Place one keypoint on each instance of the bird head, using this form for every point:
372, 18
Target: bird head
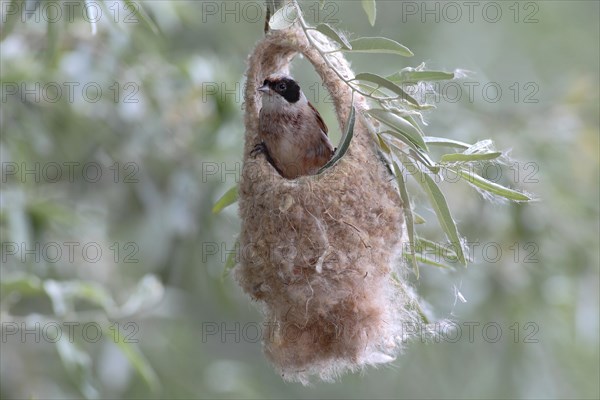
281, 87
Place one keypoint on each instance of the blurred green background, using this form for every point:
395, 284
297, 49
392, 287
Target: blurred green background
116, 145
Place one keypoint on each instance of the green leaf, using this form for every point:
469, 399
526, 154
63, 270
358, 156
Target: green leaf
334, 35
138, 360
370, 9
401, 126
284, 17
78, 365
20, 284
425, 260
408, 217
491, 187
371, 89
462, 157
413, 76
438, 141
379, 45
63, 295
439, 250
383, 145
424, 159
413, 150
384, 83
438, 201
345, 142
232, 260
410, 118
230, 197
10, 18
148, 292
419, 220
393, 137
139, 11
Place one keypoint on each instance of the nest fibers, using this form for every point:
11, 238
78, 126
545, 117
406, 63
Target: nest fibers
318, 252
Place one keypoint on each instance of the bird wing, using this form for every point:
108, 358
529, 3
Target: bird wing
319, 119
328, 147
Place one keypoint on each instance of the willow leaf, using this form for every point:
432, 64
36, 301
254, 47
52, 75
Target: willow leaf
408, 217
421, 156
19, 283
419, 220
490, 186
139, 362
138, 10
283, 18
401, 126
232, 259
439, 250
405, 76
10, 18
462, 157
371, 10
334, 35
438, 141
379, 45
387, 84
425, 260
230, 197
439, 203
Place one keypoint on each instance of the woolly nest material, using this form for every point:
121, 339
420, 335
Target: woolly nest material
318, 252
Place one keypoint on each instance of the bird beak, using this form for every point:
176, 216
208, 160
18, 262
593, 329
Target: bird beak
264, 89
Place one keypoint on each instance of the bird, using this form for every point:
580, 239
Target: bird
292, 133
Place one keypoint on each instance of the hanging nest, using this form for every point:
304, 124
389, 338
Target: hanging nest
319, 252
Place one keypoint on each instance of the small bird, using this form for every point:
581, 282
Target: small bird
292, 133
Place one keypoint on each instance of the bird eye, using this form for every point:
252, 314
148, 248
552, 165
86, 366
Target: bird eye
282, 87
266, 82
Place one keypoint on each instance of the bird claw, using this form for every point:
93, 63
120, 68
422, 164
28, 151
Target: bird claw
260, 148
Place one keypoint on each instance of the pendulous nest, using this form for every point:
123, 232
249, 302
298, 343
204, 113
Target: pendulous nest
318, 252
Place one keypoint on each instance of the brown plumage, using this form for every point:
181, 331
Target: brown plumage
292, 133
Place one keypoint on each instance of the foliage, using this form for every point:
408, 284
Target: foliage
400, 137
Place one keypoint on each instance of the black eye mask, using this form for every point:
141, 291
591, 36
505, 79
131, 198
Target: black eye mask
290, 90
